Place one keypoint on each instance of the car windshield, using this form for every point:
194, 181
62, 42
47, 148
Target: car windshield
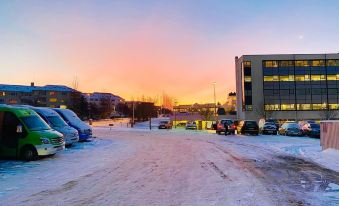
293, 125
163, 122
251, 124
229, 122
316, 126
71, 116
35, 123
56, 121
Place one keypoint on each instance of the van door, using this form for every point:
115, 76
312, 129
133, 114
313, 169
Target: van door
10, 136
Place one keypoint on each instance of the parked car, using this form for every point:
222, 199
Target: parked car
25, 135
53, 119
269, 128
221, 126
248, 127
84, 130
290, 129
275, 121
191, 125
181, 124
311, 130
165, 124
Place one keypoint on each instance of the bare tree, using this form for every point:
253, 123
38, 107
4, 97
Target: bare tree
328, 114
206, 113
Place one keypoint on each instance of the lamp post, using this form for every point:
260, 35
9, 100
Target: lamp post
215, 101
175, 117
132, 125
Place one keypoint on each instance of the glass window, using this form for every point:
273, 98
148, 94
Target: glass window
247, 63
287, 107
301, 63
304, 106
299, 77
270, 63
332, 77
35, 123
248, 107
318, 63
318, 106
270, 107
53, 100
333, 106
315, 77
247, 78
268, 78
286, 63
332, 63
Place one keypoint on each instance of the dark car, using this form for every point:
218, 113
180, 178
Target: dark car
269, 128
290, 129
221, 126
165, 125
191, 126
275, 121
248, 127
311, 130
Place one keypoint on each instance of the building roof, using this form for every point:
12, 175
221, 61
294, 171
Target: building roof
23, 88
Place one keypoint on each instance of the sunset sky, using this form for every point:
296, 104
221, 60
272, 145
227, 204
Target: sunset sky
145, 47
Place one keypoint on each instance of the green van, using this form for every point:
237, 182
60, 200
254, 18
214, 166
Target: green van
24, 135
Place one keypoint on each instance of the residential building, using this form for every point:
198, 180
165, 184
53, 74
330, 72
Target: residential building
108, 100
287, 86
47, 96
231, 102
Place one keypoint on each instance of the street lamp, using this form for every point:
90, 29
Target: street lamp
175, 117
215, 101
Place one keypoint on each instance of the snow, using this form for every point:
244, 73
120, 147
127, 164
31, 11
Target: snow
138, 166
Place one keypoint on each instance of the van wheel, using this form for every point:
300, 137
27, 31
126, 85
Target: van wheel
29, 153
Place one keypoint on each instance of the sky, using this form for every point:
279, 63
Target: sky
136, 48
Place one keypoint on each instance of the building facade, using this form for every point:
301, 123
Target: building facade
46, 96
287, 86
104, 99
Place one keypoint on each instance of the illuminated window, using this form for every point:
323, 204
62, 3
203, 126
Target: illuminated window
247, 78
301, 63
13, 101
53, 100
287, 78
268, 78
287, 107
275, 78
271, 107
299, 77
318, 63
316, 77
271, 63
318, 106
2, 94
286, 63
52, 93
332, 63
332, 77
304, 106
248, 107
52, 106
333, 106
247, 63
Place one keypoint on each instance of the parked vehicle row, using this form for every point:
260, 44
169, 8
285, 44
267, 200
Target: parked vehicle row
28, 132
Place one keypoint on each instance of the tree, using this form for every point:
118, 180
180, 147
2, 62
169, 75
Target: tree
105, 107
206, 113
328, 114
221, 111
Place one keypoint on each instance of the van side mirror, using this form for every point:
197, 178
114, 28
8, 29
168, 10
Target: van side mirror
19, 129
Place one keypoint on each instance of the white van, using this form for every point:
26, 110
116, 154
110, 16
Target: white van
85, 131
54, 120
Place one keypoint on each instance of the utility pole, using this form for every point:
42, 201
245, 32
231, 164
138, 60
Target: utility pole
215, 101
132, 114
175, 117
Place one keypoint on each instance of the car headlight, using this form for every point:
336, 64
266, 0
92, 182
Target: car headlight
44, 140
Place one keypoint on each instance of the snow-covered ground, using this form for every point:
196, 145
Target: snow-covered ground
136, 166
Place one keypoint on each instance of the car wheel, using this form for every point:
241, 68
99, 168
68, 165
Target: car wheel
29, 153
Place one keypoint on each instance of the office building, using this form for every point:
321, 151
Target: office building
287, 86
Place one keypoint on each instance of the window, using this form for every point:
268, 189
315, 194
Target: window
270, 63
271, 107
332, 77
287, 78
304, 106
247, 63
287, 107
247, 78
319, 106
52, 93
300, 63
2, 94
268, 78
286, 63
53, 100
248, 107
332, 63
333, 106
318, 63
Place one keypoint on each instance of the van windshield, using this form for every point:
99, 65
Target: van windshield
35, 123
71, 116
56, 121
